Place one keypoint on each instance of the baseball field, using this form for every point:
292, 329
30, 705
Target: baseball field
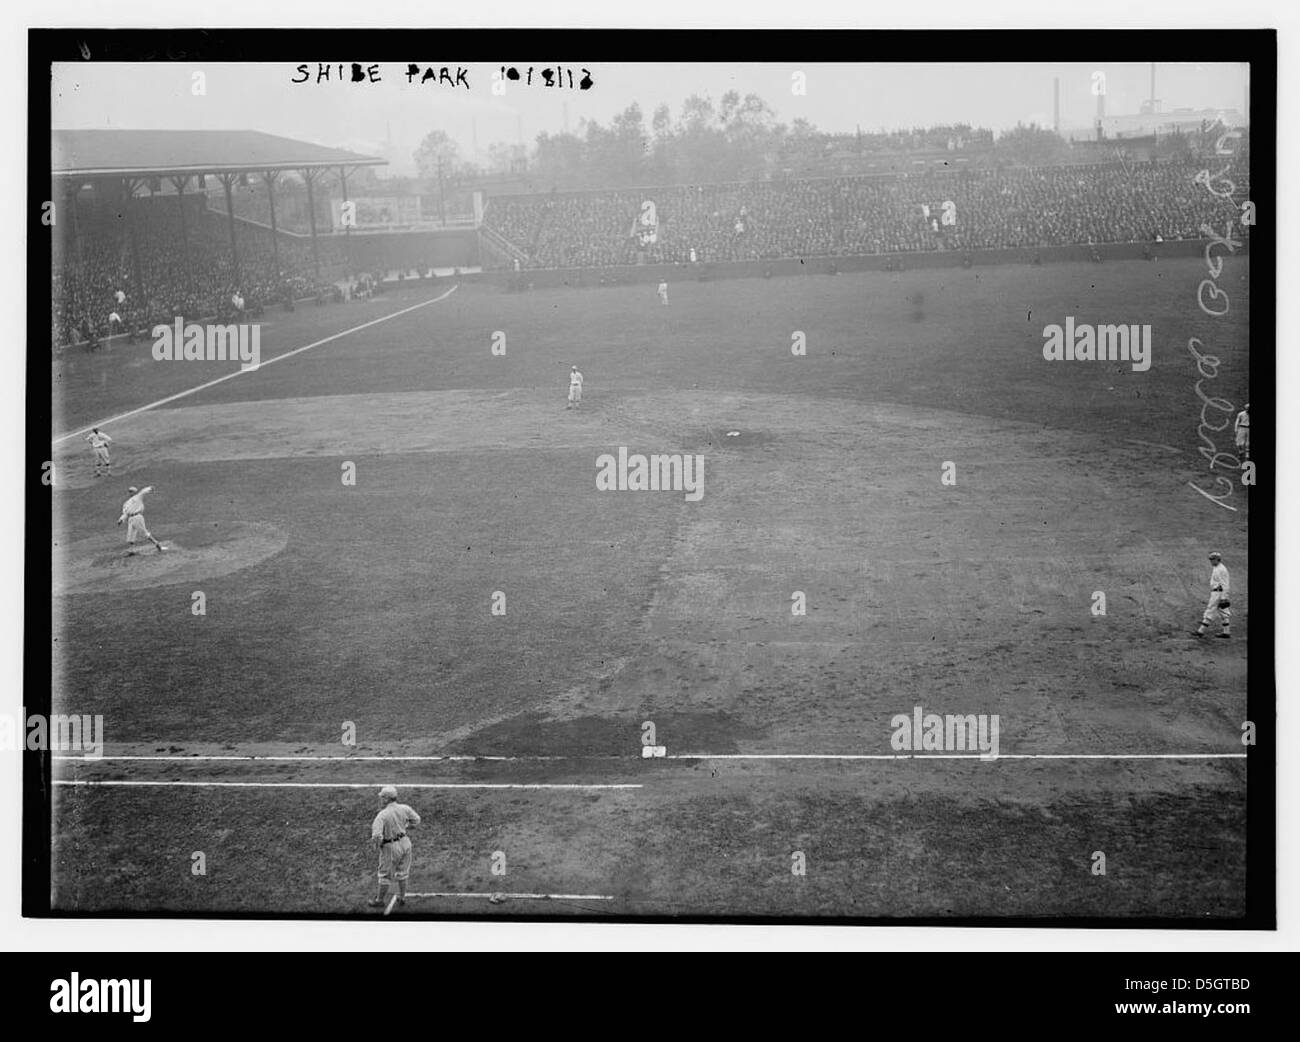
388, 561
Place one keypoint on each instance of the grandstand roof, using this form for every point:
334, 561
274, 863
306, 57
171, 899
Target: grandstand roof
89, 153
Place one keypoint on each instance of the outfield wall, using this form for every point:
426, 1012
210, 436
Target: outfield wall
547, 277
443, 248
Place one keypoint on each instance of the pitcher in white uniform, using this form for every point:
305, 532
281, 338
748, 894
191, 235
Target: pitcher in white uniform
575, 388
133, 515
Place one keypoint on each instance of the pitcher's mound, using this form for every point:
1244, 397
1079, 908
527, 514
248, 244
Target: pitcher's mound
194, 551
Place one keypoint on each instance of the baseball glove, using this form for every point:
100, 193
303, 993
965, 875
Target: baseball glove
1224, 602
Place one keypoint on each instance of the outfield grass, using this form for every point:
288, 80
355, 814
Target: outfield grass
370, 604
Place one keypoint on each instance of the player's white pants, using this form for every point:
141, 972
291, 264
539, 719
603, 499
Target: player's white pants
575, 392
135, 528
395, 860
1213, 605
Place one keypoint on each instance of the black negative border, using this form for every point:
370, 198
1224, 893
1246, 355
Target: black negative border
1258, 47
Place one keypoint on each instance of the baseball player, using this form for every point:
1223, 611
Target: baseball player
1219, 597
388, 834
575, 388
1241, 431
99, 441
89, 333
133, 515
663, 293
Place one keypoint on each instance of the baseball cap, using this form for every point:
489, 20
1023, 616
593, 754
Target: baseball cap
389, 791
133, 489
1215, 554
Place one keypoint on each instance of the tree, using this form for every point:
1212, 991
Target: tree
700, 148
1031, 145
631, 146
697, 113
751, 131
560, 159
500, 157
728, 106
437, 146
363, 179
801, 129
661, 152
661, 123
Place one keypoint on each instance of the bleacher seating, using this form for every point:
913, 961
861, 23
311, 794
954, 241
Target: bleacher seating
828, 217
189, 275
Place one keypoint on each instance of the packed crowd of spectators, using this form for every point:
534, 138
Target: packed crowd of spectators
943, 210
187, 273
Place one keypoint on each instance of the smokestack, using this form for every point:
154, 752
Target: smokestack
1056, 104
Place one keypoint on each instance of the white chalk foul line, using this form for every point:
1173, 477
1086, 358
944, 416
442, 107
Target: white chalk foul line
331, 785
675, 756
240, 372
342, 759
522, 897
958, 756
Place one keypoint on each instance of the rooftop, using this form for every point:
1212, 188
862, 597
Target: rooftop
89, 153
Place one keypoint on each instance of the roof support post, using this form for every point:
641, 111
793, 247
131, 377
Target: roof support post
179, 184
309, 175
270, 176
129, 185
347, 226
226, 181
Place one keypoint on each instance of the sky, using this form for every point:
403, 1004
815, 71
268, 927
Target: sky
391, 117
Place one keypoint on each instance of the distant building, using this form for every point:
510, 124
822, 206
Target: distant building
1154, 124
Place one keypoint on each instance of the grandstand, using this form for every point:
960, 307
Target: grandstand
138, 222
934, 210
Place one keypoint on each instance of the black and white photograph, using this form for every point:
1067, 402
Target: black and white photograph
651, 477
